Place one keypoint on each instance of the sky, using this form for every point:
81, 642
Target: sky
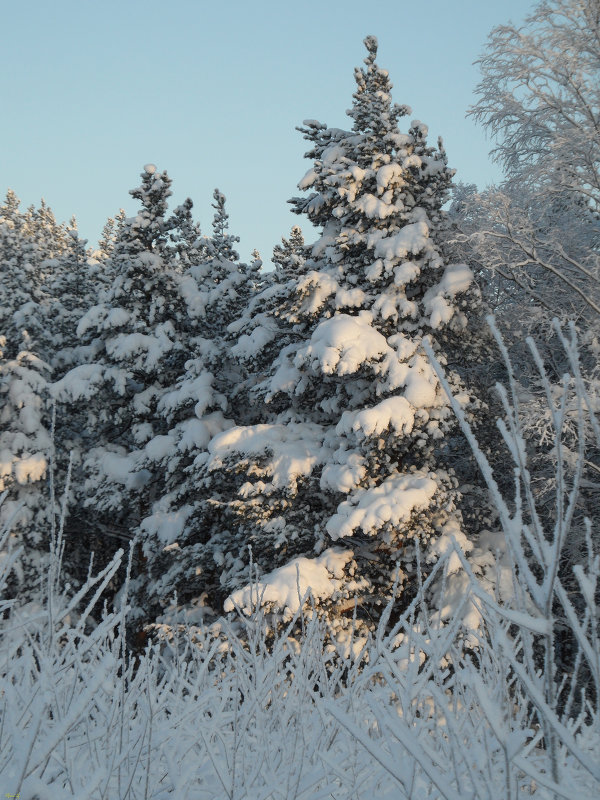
212, 92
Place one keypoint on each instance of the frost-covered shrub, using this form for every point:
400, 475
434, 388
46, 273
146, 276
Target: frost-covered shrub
549, 630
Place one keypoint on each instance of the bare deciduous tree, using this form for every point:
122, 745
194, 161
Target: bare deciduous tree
539, 98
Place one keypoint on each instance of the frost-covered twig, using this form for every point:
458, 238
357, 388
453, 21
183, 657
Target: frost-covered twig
536, 550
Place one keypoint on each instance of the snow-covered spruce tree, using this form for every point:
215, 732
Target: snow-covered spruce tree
50, 237
110, 233
135, 351
219, 284
26, 348
223, 242
186, 242
26, 451
217, 288
19, 283
47, 282
348, 467
28, 242
289, 257
267, 326
75, 281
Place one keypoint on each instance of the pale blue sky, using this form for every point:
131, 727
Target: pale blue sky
92, 90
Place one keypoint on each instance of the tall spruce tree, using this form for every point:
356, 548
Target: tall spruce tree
345, 469
20, 284
135, 351
217, 288
28, 341
26, 454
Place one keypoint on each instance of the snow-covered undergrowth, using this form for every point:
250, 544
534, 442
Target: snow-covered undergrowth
428, 708
423, 717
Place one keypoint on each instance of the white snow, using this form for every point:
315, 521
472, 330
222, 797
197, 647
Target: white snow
249, 345
167, 526
195, 434
316, 287
308, 180
456, 279
412, 160
403, 345
451, 537
195, 299
392, 502
400, 140
116, 318
286, 587
91, 319
412, 239
374, 207
29, 414
79, 383
142, 432
119, 467
150, 348
406, 272
420, 384
198, 389
6, 465
394, 412
286, 376
350, 298
375, 271
294, 449
333, 153
160, 447
389, 174
31, 468
345, 473
342, 344
417, 125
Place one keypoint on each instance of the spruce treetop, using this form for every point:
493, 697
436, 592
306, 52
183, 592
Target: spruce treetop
289, 257
222, 241
373, 111
377, 195
148, 229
